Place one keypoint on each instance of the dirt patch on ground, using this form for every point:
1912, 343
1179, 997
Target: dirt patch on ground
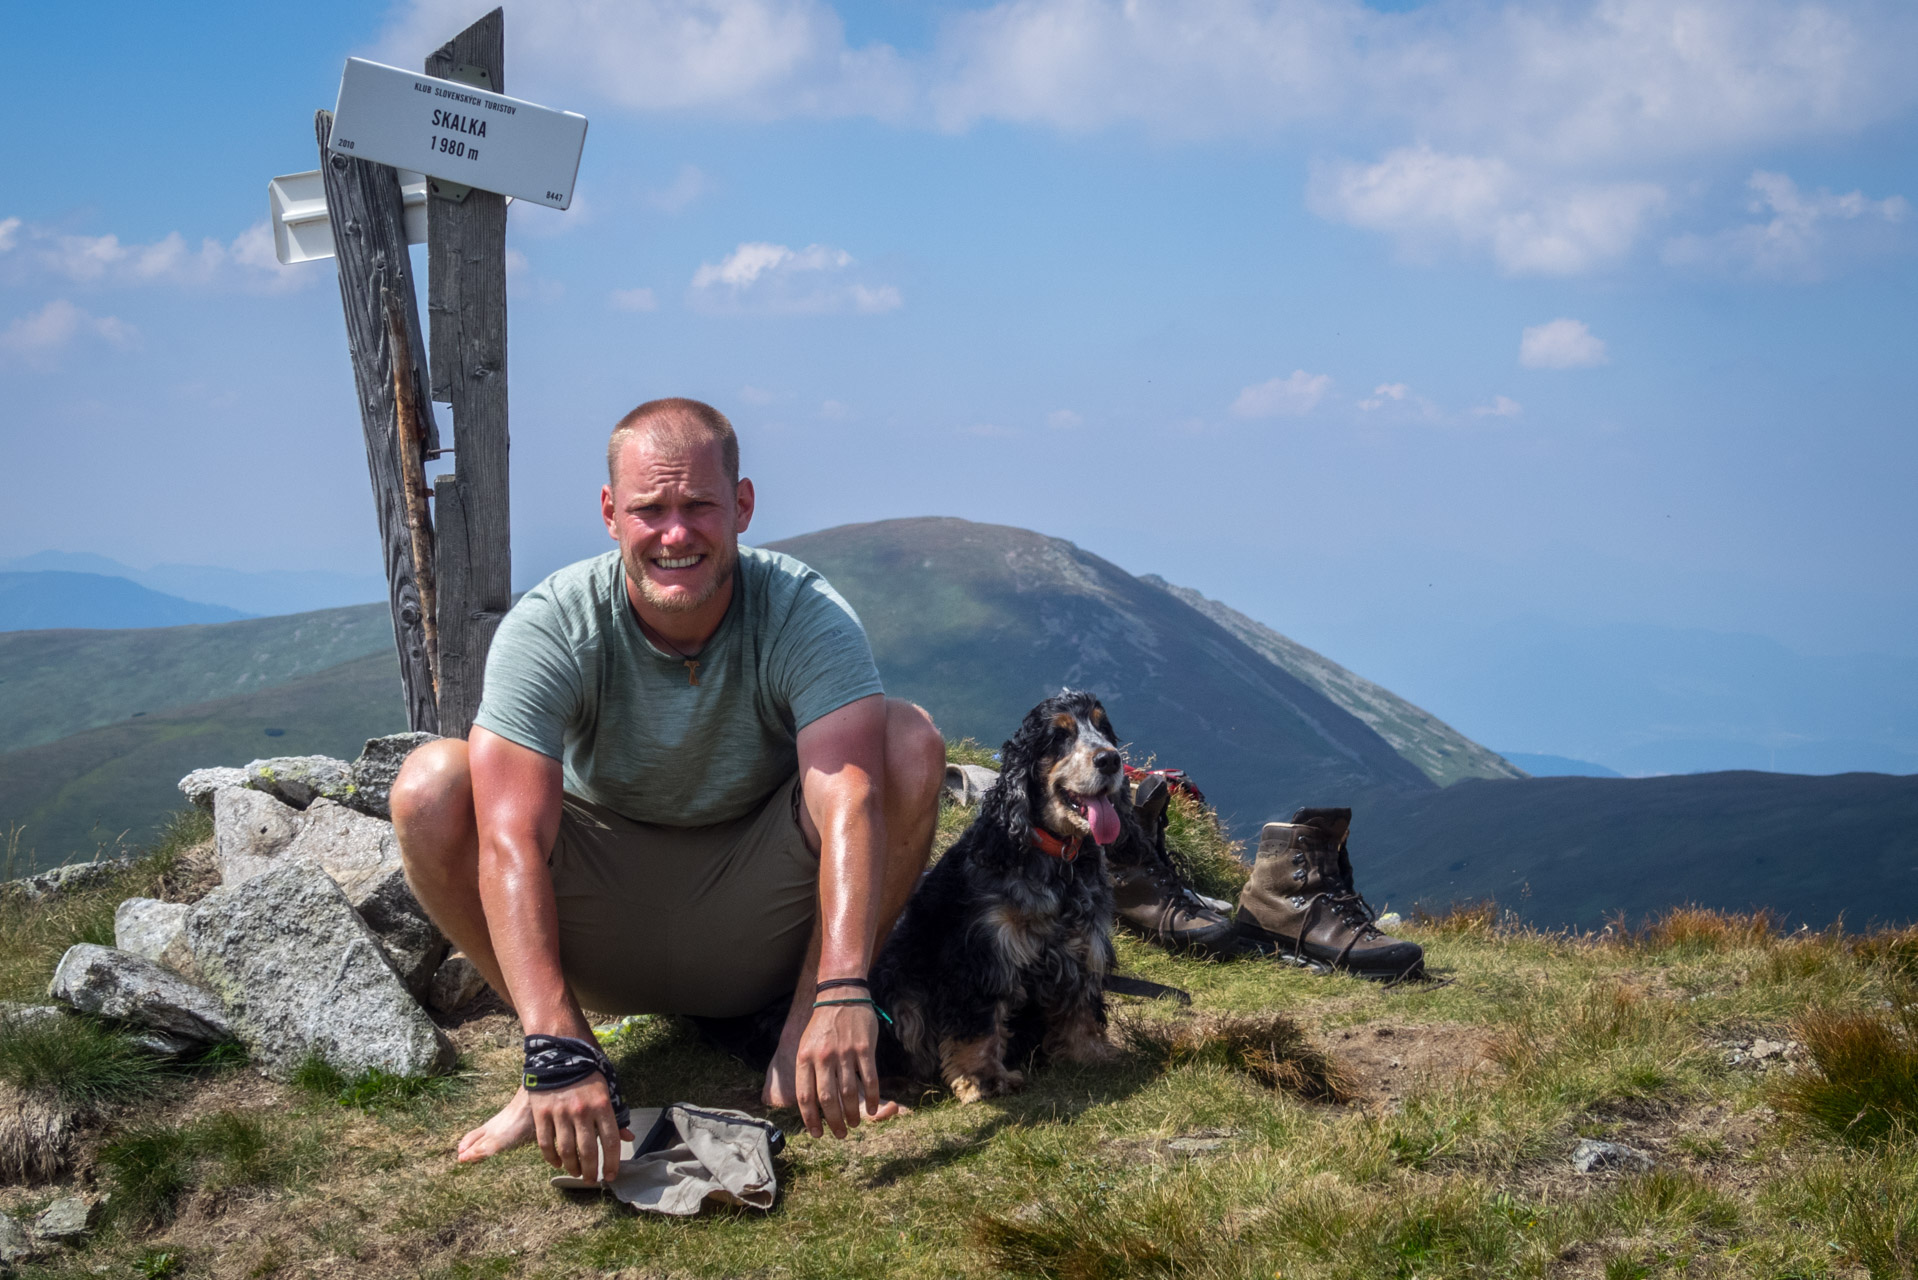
1383, 1061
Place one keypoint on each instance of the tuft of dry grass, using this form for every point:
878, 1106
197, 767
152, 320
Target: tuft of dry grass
1269, 1047
1204, 853
1862, 1083
1460, 920
971, 751
1693, 929
36, 1136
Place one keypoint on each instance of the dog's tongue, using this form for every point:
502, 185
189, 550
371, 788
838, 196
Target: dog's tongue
1103, 818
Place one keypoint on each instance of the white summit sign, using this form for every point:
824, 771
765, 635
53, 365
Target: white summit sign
457, 133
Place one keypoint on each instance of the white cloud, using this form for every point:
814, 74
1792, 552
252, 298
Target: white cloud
1383, 392
1545, 136
1560, 344
1064, 420
632, 300
1798, 238
1292, 397
1501, 407
1429, 201
1588, 79
38, 337
753, 58
772, 279
246, 262
687, 186
756, 395
834, 410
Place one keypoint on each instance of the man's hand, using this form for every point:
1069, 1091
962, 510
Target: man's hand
838, 1070
577, 1131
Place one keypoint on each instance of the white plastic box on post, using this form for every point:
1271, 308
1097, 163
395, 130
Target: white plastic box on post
300, 229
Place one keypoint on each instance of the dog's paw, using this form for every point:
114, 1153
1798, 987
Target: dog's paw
975, 1088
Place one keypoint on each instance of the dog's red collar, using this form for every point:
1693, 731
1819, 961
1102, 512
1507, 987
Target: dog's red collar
1052, 846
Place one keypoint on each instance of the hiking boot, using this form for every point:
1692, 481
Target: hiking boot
1301, 903
1149, 895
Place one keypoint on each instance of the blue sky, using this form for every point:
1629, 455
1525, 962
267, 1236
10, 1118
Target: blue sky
1381, 324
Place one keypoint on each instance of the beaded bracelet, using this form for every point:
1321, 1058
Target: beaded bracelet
866, 1000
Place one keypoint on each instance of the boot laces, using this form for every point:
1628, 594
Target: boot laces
1352, 908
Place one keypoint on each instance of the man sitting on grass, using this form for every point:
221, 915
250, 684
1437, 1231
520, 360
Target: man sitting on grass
684, 792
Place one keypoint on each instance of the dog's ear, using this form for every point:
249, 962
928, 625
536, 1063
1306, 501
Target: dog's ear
1011, 797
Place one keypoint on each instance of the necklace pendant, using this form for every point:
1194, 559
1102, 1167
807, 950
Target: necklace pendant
692, 672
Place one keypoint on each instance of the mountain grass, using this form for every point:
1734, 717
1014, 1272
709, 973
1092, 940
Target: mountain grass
1309, 1127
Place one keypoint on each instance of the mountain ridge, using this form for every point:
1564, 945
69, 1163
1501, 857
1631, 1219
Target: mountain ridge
1441, 752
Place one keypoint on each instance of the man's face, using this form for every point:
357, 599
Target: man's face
677, 520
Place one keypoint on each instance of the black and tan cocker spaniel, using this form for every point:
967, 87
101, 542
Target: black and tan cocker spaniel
1009, 936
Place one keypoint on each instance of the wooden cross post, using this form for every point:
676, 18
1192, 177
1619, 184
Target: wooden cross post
449, 586
382, 330
466, 304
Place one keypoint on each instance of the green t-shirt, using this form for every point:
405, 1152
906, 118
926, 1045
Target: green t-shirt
571, 676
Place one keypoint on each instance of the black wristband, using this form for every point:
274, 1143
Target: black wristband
559, 1062
830, 983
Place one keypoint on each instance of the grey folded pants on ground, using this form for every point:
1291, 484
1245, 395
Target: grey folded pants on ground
686, 1155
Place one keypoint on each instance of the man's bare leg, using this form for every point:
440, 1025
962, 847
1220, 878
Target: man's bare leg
432, 806
915, 769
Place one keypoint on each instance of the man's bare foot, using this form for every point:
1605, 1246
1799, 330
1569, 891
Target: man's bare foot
512, 1127
781, 1089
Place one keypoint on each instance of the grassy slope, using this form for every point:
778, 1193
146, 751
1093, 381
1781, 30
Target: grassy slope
1450, 1160
55, 683
1573, 851
977, 622
74, 795
1442, 752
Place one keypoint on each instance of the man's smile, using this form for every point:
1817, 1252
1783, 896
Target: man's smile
677, 562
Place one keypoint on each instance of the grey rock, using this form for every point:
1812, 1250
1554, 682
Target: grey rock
14, 1244
413, 944
60, 880
1594, 1156
300, 780
66, 1219
1195, 1146
300, 973
967, 784
200, 785
119, 984
25, 1016
164, 1044
455, 984
378, 765
250, 831
342, 840
156, 931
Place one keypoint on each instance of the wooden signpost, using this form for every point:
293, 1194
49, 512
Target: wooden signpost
449, 570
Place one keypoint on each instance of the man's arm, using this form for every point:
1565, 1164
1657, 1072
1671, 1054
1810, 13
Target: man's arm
842, 767
516, 801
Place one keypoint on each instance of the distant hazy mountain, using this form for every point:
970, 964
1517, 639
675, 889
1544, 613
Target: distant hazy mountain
1646, 700
1442, 752
72, 796
55, 683
264, 593
42, 601
1559, 766
1577, 851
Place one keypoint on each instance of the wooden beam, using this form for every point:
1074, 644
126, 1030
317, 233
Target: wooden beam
466, 306
369, 239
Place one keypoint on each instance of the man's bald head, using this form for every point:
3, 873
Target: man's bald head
676, 423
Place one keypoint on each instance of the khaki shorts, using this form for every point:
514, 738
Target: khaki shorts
711, 921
